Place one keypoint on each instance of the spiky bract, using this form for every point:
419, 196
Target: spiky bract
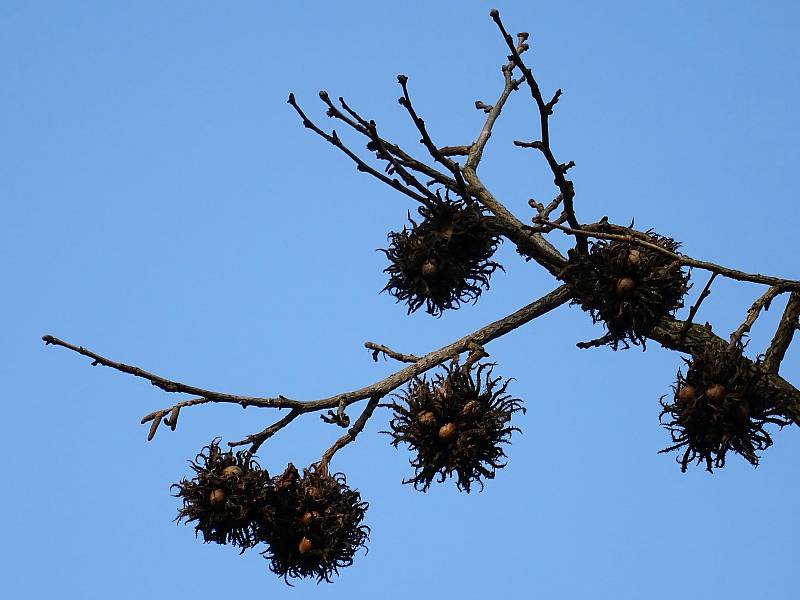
444, 260
223, 497
312, 524
627, 286
456, 424
716, 407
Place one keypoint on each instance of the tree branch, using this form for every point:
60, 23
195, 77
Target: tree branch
381, 388
565, 186
783, 335
641, 238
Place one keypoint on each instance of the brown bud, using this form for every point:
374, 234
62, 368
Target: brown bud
426, 418
305, 545
716, 393
429, 268
217, 497
625, 286
309, 517
231, 471
634, 257
448, 431
688, 393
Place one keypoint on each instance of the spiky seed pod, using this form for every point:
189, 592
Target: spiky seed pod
716, 408
471, 414
312, 524
444, 260
223, 496
628, 287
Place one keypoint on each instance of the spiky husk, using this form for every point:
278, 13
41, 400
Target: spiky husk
629, 296
444, 260
318, 511
456, 424
716, 408
229, 518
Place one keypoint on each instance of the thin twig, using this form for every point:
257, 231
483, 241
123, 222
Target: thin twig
378, 349
693, 310
333, 138
259, 438
753, 313
426, 140
351, 434
558, 169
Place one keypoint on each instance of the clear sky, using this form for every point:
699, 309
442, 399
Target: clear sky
163, 205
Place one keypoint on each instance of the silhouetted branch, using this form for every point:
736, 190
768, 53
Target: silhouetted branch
789, 323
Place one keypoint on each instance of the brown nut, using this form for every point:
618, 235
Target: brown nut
429, 268
231, 471
217, 497
716, 392
625, 287
448, 431
309, 517
687, 393
634, 257
426, 418
305, 545
470, 407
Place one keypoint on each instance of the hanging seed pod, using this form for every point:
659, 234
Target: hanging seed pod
444, 260
223, 497
473, 414
312, 524
716, 408
627, 287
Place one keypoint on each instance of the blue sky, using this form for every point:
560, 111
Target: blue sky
163, 205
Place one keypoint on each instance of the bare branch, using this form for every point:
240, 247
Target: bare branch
433, 359
426, 140
783, 335
753, 313
558, 169
378, 349
259, 438
641, 239
351, 434
693, 310
361, 125
333, 138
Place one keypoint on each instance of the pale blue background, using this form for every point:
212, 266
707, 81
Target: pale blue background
162, 205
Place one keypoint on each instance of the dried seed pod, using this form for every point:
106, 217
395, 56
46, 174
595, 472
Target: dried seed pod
727, 416
444, 260
223, 506
627, 287
312, 524
476, 413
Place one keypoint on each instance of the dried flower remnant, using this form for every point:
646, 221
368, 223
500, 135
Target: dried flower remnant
456, 424
628, 287
223, 497
716, 408
445, 259
312, 524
